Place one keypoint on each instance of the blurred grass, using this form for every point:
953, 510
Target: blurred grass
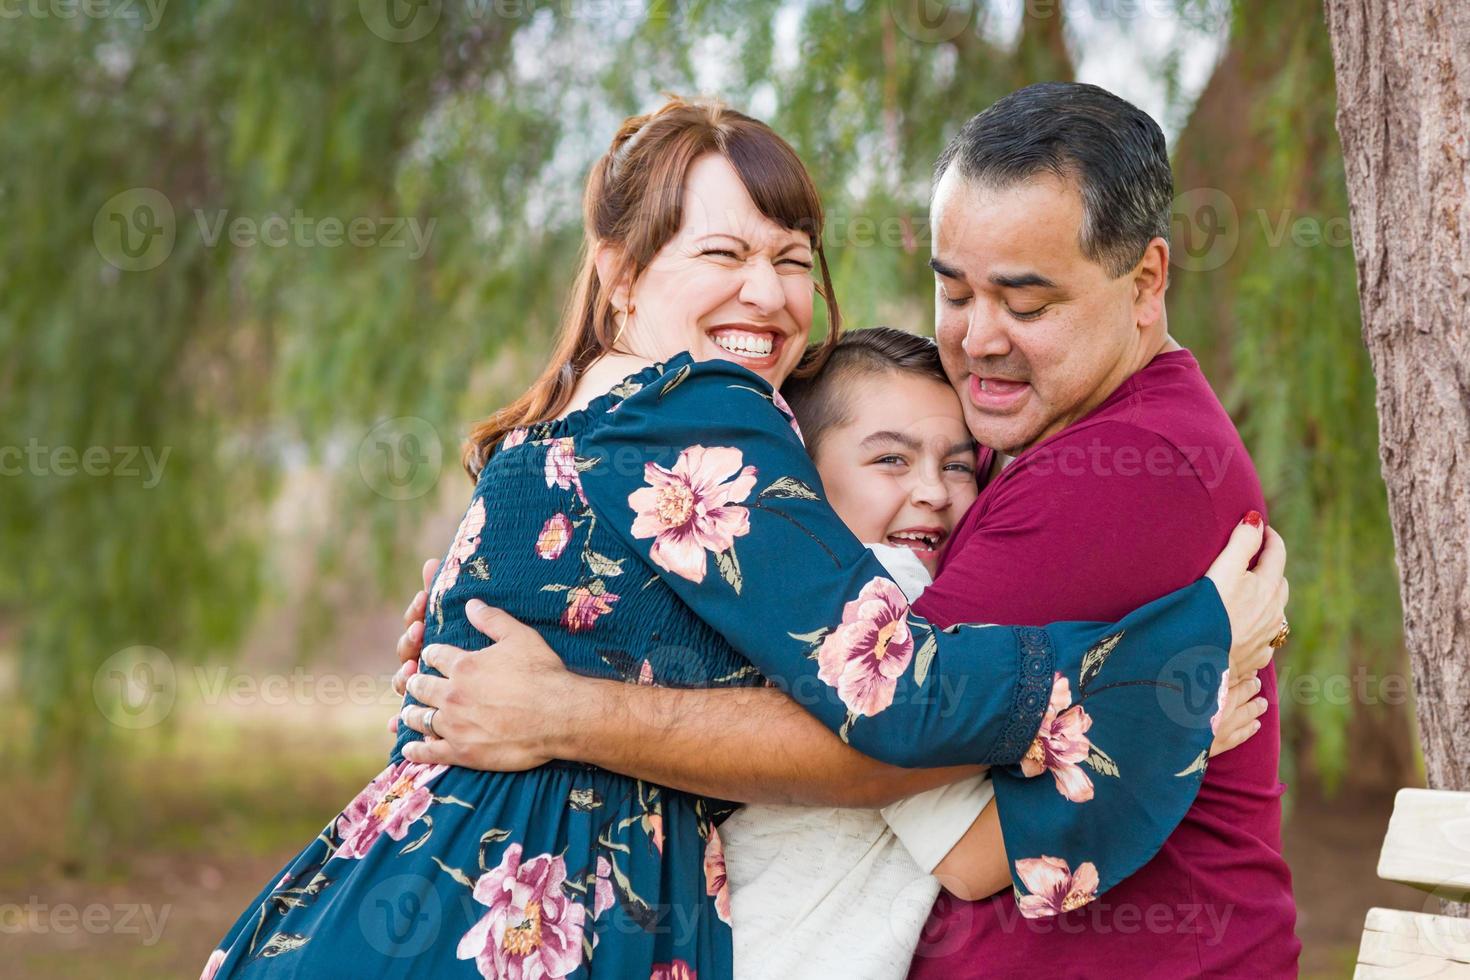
195, 820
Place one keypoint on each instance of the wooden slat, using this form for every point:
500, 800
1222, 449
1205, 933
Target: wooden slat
1401, 945
1428, 843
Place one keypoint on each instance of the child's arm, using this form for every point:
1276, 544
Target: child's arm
976, 867
953, 832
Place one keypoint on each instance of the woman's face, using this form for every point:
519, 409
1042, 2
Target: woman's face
731, 283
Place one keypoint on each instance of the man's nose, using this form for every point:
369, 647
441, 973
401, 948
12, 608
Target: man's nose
985, 334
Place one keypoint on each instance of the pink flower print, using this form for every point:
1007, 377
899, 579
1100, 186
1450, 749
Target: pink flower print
466, 540
602, 892
689, 509
790, 415
584, 607
561, 466
390, 804
1054, 887
532, 930
554, 537
677, 970
864, 656
716, 882
514, 438
1061, 744
645, 674
212, 965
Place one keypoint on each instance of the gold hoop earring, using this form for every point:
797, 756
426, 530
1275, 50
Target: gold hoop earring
622, 318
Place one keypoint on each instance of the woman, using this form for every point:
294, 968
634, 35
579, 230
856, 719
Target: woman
648, 507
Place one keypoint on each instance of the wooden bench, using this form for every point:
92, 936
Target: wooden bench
1427, 846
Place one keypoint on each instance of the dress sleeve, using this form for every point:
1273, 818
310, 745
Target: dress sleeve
702, 475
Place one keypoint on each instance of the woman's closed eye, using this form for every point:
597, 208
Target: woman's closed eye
725, 253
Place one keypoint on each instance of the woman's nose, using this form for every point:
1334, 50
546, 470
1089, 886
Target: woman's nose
762, 286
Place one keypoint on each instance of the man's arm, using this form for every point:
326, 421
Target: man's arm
747, 744
753, 745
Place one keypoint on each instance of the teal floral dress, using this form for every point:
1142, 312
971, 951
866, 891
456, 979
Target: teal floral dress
674, 533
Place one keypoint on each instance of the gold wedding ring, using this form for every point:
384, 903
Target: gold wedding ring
1279, 640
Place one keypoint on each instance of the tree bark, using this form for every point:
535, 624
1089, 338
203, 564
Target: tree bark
1403, 115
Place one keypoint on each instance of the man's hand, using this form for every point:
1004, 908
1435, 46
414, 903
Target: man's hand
495, 708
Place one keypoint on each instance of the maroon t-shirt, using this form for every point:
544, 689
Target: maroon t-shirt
1129, 503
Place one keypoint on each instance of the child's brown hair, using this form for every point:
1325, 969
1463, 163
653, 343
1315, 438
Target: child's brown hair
820, 401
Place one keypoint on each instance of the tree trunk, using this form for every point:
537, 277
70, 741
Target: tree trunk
1403, 114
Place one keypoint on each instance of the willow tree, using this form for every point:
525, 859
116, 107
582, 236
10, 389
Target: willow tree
475, 123
1403, 82
1262, 291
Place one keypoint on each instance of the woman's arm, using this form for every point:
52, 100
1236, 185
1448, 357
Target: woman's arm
976, 866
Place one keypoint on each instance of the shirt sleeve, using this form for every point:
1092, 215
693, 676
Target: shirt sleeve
931, 823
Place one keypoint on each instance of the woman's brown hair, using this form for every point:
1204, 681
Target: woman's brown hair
634, 200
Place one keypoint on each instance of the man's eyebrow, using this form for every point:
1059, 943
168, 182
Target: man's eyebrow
886, 435
944, 269
1023, 280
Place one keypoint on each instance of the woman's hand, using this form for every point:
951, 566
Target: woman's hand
495, 708
1255, 600
412, 640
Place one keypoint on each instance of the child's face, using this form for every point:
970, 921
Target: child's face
902, 471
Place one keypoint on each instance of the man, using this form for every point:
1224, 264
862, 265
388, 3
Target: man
1050, 217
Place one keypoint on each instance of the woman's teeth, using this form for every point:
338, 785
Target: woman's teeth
748, 345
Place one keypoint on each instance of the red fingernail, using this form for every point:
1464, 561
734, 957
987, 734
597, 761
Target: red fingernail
1253, 518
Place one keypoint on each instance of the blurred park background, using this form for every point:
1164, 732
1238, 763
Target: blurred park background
265, 261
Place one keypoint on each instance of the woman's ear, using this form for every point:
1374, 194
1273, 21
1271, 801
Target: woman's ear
608, 261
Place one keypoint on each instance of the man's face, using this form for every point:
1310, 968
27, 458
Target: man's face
1032, 333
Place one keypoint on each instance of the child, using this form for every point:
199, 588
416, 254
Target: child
830, 892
